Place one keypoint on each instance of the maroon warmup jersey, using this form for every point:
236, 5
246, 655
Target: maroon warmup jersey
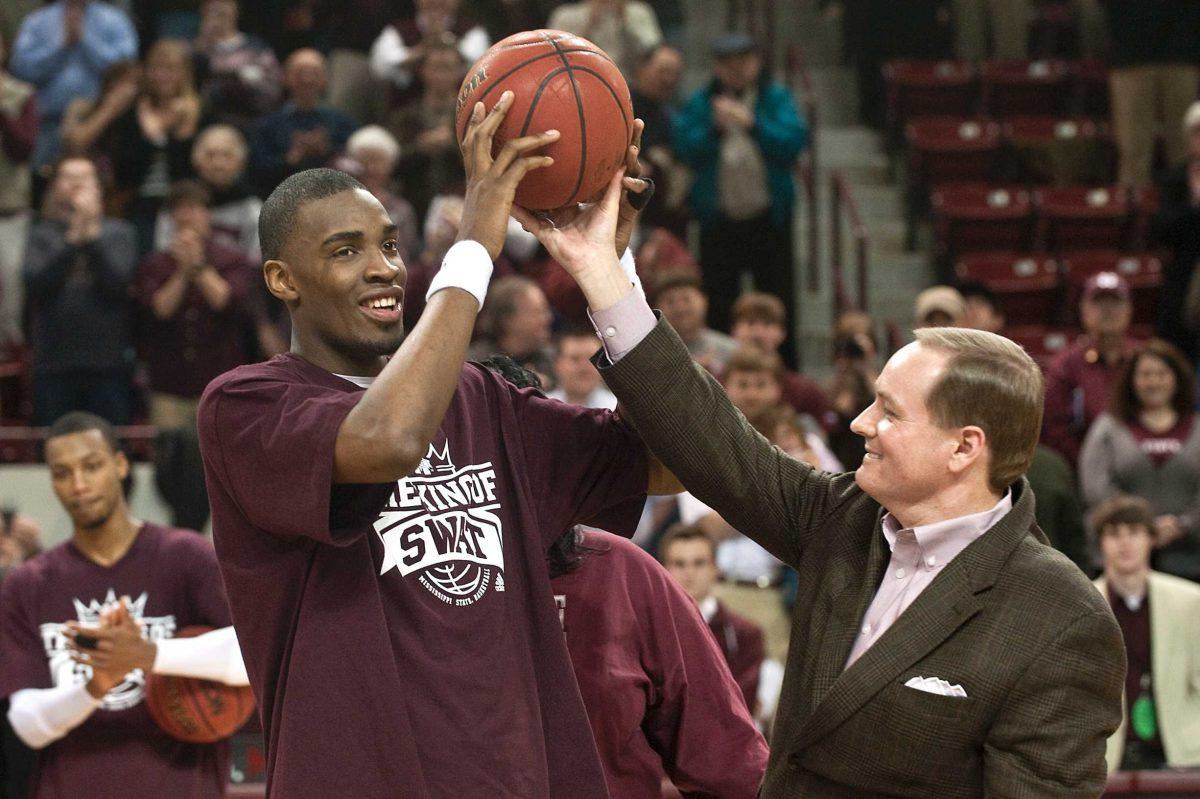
172, 579
402, 639
658, 692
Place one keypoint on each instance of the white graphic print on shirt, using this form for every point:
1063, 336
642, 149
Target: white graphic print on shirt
440, 524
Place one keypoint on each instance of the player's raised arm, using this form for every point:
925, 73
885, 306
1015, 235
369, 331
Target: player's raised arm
385, 436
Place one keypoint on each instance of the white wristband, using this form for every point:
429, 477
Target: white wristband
630, 270
467, 266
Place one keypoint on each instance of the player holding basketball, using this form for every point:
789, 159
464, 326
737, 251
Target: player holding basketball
382, 512
76, 688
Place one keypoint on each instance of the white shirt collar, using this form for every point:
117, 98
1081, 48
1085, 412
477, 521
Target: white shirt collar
708, 608
361, 382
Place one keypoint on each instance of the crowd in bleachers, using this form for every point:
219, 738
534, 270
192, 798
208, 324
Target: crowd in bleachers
139, 138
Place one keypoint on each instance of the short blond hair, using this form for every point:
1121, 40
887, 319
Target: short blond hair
993, 384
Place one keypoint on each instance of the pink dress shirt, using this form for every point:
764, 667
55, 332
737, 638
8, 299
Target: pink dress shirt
918, 554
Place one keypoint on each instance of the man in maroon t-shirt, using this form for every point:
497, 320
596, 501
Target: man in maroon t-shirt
382, 512
82, 623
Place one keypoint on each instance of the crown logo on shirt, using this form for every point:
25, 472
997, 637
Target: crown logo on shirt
90, 613
436, 462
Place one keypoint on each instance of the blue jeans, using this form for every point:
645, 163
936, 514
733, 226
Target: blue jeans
107, 394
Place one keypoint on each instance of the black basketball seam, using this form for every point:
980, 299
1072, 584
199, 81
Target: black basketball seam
616, 99
537, 95
529, 61
200, 711
582, 116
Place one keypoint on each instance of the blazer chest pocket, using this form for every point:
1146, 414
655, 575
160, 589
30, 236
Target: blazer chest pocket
915, 703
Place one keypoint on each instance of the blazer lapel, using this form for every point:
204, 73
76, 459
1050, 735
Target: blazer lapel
853, 588
945, 605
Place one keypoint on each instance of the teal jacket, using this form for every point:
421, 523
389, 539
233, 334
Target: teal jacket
779, 129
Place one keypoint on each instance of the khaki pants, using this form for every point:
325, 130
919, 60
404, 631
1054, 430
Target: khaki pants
13, 230
168, 412
1146, 100
764, 607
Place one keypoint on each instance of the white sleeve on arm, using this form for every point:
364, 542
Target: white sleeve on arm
40, 716
212, 656
623, 326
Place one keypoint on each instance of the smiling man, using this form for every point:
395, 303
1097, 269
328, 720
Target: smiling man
939, 646
382, 512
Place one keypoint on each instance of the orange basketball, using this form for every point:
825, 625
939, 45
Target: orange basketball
197, 711
559, 82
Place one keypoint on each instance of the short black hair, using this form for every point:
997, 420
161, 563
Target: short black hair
82, 422
278, 213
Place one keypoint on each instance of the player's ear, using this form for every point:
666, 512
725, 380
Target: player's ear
280, 281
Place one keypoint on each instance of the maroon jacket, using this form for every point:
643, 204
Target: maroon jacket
659, 697
741, 642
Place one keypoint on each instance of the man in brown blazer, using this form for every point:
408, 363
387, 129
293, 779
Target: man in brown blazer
940, 648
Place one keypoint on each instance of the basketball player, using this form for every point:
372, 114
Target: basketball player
126, 586
382, 512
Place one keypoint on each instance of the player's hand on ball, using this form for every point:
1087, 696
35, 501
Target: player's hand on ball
638, 190
492, 183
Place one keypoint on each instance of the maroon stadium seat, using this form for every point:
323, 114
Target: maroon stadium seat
978, 217
953, 150
1061, 150
1022, 88
1084, 217
1143, 271
1028, 287
1042, 342
924, 88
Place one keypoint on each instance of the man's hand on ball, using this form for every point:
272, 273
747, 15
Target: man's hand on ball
581, 237
492, 183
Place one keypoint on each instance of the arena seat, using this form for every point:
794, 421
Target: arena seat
977, 217
1028, 287
1042, 342
1143, 271
924, 88
953, 150
1060, 150
1022, 88
1083, 217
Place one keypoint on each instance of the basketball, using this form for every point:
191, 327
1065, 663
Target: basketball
197, 711
559, 82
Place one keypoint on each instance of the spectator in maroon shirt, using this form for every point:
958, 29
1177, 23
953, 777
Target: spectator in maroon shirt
759, 321
691, 558
240, 78
1079, 380
192, 298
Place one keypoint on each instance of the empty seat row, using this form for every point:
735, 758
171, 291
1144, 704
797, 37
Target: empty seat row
1000, 88
977, 217
1038, 289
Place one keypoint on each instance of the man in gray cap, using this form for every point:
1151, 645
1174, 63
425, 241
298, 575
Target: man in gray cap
1080, 378
740, 135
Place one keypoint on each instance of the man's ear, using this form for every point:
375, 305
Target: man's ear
280, 282
971, 448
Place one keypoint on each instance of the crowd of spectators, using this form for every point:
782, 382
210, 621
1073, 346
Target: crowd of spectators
136, 148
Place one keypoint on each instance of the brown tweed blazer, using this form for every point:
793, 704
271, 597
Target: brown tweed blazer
1015, 623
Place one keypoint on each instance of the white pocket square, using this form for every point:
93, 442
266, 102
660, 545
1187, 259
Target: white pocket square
936, 685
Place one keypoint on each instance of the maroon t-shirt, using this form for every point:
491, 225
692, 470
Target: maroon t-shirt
1161, 447
658, 692
172, 578
402, 639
